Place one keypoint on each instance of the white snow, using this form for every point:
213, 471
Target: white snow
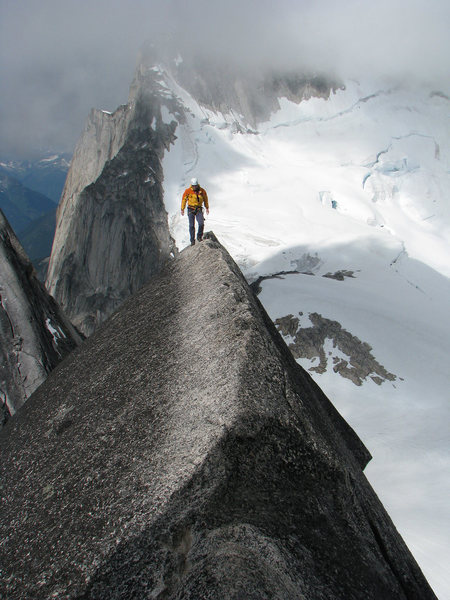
166, 115
358, 182
49, 158
57, 334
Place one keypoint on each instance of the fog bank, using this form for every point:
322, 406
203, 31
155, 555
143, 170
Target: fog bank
59, 58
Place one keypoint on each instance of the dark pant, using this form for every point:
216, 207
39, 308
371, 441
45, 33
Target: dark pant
193, 214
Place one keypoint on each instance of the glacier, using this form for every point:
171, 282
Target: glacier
359, 182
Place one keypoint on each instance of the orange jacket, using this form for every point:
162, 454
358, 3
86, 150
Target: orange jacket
194, 198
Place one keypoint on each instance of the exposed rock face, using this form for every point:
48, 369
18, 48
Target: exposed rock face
249, 92
112, 232
252, 96
182, 453
352, 358
34, 333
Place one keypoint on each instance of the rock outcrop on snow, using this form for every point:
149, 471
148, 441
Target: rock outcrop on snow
34, 333
181, 452
325, 340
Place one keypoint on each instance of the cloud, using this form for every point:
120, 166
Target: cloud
59, 58
401, 39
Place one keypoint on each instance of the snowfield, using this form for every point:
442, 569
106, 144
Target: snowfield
359, 182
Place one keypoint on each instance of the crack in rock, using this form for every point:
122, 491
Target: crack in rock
327, 340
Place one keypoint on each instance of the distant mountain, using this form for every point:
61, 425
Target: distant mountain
29, 192
46, 175
37, 237
20, 204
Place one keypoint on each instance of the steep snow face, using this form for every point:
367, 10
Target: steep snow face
359, 184
380, 159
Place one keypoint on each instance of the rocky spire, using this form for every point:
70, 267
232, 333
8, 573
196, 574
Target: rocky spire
34, 333
181, 453
112, 233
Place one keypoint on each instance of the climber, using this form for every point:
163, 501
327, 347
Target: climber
195, 196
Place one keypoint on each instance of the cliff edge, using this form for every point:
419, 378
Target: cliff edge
112, 233
35, 334
183, 454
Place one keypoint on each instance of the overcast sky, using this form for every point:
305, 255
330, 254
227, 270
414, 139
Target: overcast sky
60, 58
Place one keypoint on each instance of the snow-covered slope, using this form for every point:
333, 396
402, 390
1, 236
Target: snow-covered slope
356, 185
